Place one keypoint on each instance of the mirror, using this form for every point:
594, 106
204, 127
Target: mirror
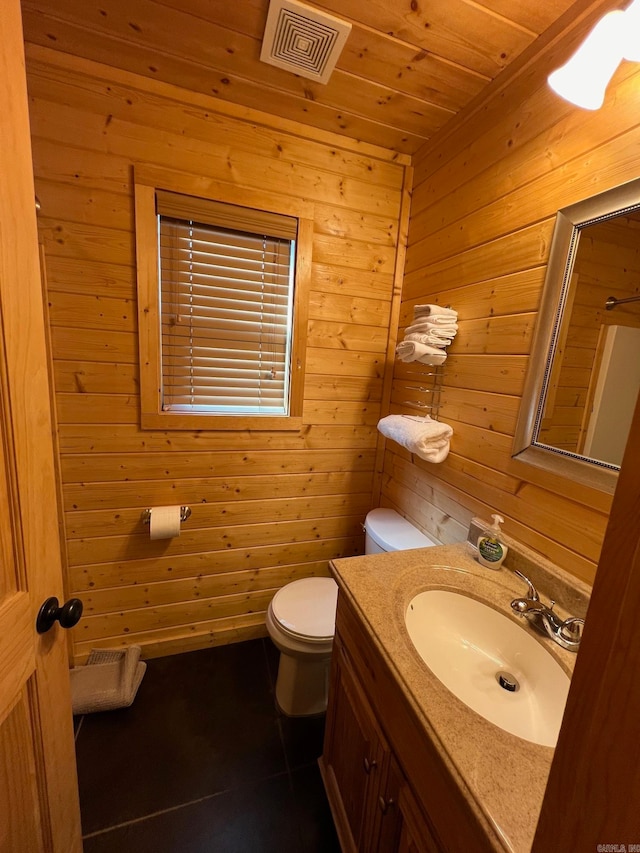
584, 375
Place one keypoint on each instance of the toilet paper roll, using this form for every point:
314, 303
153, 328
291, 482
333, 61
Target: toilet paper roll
165, 522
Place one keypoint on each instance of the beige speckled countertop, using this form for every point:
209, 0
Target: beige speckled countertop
503, 777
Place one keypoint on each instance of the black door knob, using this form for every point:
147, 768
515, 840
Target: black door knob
68, 615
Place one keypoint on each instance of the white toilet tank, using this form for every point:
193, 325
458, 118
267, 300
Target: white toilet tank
385, 530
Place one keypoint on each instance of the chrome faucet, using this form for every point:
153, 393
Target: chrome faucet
567, 633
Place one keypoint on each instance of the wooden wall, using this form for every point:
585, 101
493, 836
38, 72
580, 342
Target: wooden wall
268, 507
484, 201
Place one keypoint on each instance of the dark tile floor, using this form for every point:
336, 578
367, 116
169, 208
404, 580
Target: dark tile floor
202, 762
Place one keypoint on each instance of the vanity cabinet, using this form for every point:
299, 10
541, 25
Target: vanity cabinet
371, 801
387, 787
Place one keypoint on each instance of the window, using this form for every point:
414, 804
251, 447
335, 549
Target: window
220, 308
226, 305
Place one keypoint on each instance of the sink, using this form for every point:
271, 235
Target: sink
490, 663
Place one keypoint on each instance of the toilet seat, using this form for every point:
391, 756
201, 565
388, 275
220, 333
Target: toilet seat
306, 609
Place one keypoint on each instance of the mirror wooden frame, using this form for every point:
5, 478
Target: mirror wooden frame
570, 220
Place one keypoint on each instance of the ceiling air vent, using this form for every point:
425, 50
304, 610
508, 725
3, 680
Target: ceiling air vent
303, 40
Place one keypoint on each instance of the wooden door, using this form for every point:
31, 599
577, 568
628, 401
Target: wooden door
593, 794
38, 788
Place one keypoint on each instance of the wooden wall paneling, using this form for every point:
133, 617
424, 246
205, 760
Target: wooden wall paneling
525, 250
220, 514
335, 307
501, 374
70, 239
400, 261
332, 279
96, 377
108, 600
86, 495
513, 293
267, 507
527, 76
327, 412
192, 611
109, 346
97, 408
255, 119
126, 138
203, 42
126, 573
343, 388
353, 343
557, 129
529, 201
232, 462
64, 163
90, 87
184, 638
401, 76
91, 278
92, 312
469, 485
106, 438
484, 200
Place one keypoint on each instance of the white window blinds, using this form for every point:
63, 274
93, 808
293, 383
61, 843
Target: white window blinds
226, 303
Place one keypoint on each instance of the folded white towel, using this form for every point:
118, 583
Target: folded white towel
417, 351
427, 326
425, 437
433, 338
441, 341
434, 311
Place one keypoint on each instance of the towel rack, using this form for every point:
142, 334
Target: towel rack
432, 403
434, 388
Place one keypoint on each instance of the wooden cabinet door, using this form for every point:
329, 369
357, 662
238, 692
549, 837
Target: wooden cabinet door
38, 789
354, 756
415, 833
389, 817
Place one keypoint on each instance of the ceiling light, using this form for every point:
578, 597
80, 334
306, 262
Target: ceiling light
585, 77
632, 32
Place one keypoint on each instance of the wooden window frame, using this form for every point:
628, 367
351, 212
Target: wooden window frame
146, 182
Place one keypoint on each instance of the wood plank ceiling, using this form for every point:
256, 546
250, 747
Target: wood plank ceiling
408, 66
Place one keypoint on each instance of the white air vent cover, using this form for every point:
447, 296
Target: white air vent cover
303, 40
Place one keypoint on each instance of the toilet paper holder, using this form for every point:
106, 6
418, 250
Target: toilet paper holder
185, 512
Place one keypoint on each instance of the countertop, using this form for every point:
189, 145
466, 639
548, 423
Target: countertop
502, 776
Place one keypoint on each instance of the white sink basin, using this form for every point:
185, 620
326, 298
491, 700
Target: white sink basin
467, 644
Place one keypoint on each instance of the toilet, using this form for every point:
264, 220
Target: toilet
301, 619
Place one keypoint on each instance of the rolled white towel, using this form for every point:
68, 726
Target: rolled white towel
434, 311
425, 437
436, 452
417, 351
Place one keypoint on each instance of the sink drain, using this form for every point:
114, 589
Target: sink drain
507, 681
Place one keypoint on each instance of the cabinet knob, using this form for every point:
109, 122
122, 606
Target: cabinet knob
384, 804
369, 765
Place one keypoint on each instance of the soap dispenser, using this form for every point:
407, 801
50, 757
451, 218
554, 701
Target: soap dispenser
491, 549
